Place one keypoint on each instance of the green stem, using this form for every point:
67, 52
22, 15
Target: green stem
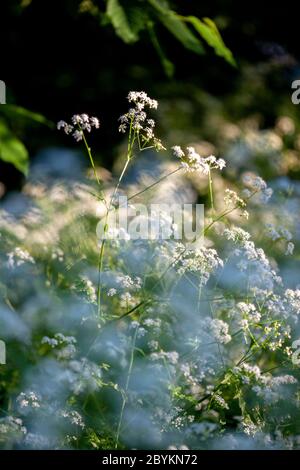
101, 254
91, 157
126, 387
211, 196
154, 184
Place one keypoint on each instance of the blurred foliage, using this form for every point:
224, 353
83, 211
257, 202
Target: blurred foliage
12, 150
85, 66
130, 19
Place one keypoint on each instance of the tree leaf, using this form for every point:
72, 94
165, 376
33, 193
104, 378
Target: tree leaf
138, 18
177, 27
210, 33
12, 149
119, 20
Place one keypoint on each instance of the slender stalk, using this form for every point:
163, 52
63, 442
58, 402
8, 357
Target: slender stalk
90, 156
131, 140
211, 195
102, 247
124, 401
154, 184
227, 212
147, 188
199, 295
100, 268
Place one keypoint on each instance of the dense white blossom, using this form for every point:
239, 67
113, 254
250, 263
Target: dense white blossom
80, 123
19, 256
137, 121
192, 161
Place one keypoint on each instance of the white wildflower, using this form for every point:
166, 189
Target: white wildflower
232, 198
218, 329
78, 135
89, 289
28, 400
290, 248
80, 123
177, 151
236, 234
221, 402
18, 257
112, 292
136, 120
258, 185
73, 417
191, 161
202, 260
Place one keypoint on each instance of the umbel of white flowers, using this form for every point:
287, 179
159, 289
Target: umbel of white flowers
192, 161
80, 123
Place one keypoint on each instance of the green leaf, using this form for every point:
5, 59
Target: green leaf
12, 150
210, 33
17, 112
138, 18
175, 24
119, 20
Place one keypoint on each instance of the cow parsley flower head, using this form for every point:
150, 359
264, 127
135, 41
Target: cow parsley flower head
73, 417
203, 261
65, 126
111, 292
80, 123
236, 234
28, 399
218, 329
141, 100
177, 151
258, 185
78, 135
137, 121
231, 198
248, 312
191, 161
220, 402
289, 248
19, 256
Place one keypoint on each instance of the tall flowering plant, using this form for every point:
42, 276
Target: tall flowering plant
148, 342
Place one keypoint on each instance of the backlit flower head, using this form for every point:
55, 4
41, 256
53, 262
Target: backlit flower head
80, 123
136, 120
191, 161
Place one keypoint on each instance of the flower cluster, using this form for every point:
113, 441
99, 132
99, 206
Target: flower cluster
271, 389
86, 286
137, 122
28, 400
218, 329
231, 198
63, 346
253, 261
73, 417
257, 185
191, 161
19, 256
80, 123
203, 261
281, 233
141, 100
